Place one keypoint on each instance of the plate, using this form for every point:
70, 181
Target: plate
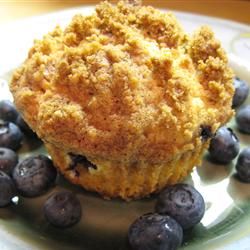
104, 224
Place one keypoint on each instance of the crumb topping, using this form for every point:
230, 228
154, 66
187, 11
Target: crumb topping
124, 83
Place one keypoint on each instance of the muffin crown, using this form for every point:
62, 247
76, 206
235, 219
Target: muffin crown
125, 83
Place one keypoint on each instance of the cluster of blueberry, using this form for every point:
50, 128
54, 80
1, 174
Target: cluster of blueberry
34, 175
224, 147
181, 206
178, 207
243, 113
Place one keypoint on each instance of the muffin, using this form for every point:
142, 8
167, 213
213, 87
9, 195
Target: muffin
124, 100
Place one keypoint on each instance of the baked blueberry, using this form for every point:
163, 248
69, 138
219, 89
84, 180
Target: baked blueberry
243, 165
7, 188
8, 111
80, 159
205, 132
224, 147
24, 126
34, 176
62, 209
243, 119
155, 232
183, 203
10, 135
8, 160
241, 92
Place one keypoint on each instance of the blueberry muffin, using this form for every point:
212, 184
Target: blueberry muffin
124, 100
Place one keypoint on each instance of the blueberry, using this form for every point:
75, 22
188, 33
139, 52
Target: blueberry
10, 135
243, 165
205, 132
7, 188
80, 159
183, 203
8, 111
155, 232
24, 127
34, 176
243, 119
8, 160
241, 92
62, 209
224, 147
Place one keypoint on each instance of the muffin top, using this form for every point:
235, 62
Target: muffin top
125, 83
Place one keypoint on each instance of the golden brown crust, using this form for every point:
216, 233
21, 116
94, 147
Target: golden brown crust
125, 83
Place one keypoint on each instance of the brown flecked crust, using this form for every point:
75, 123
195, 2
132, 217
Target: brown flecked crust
125, 84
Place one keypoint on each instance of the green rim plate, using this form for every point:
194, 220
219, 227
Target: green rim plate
104, 224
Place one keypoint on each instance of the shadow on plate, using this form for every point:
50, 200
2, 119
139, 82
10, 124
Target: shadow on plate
103, 226
239, 190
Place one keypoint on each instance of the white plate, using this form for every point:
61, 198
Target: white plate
16, 229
